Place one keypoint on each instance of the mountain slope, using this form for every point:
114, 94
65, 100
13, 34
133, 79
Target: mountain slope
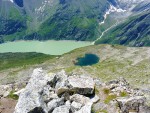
74, 20
12, 19
133, 31
53, 19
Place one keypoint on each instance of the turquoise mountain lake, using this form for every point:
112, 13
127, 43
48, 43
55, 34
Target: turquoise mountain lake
47, 47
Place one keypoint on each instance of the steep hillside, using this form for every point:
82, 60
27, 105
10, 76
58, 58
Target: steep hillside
51, 19
12, 20
133, 32
75, 20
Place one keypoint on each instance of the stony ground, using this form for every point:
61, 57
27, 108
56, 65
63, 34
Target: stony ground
62, 93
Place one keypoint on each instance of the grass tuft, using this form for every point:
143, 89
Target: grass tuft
123, 94
110, 98
13, 96
106, 91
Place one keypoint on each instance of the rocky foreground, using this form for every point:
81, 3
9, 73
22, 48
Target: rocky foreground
61, 93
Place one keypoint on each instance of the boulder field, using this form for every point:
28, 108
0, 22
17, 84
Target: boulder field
57, 93
62, 93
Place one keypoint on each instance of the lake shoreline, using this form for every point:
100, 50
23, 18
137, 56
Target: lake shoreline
46, 41
51, 47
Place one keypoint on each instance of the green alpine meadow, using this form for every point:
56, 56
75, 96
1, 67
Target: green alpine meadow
74, 56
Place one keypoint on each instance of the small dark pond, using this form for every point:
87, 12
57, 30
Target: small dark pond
88, 59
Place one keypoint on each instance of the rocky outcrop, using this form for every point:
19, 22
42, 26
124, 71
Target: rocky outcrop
60, 93
119, 92
56, 93
136, 104
122, 86
81, 84
31, 99
128, 99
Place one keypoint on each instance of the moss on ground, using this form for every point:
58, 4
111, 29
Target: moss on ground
110, 98
13, 96
123, 94
106, 91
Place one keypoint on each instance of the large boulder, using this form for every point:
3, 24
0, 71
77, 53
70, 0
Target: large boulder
74, 84
30, 99
81, 84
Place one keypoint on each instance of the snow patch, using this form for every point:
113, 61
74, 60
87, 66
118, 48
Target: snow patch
130, 1
12, 1
111, 10
42, 7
